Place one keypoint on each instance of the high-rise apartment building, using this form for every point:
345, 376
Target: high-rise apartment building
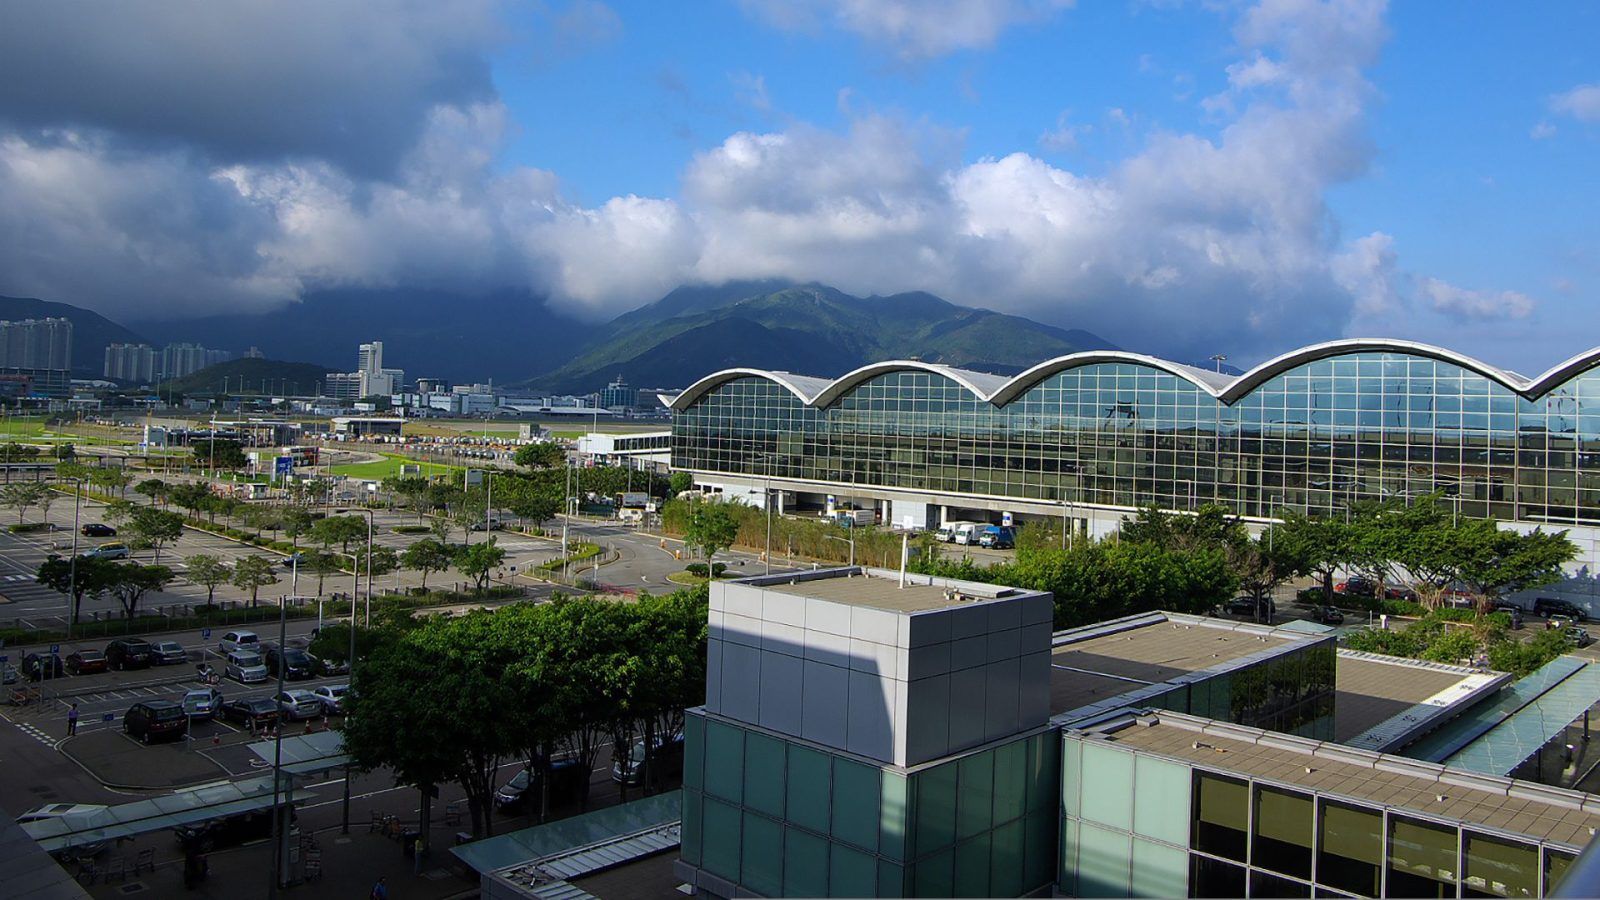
36, 344
131, 362
370, 357
178, 360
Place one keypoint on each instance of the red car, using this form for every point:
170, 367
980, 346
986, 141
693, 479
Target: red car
83, 662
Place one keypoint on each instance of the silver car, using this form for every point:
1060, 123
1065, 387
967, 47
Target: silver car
202, 703
298, 704
245, 667
166, 653
332, 697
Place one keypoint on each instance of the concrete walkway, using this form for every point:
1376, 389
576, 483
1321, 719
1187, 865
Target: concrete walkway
111, 757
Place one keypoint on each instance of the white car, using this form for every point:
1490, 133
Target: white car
245, 667
298, 704
240, 640
332, 697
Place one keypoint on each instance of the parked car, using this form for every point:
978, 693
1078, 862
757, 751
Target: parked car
8, 673
1328, 615
1551, 606
229, 831
245, 667
39, 666
332, 666
202, 703
332, 697
294, 559
1576, 634
1512, 610
491, 525
150, 719
77, 816
97, 529
567, 775
109, 551
168, 653
84, 662
1246, 606
238, 640
666, 760
296, 704
252, 711
297, 665
129, 653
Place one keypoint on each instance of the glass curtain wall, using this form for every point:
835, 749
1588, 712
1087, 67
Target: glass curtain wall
1316, 438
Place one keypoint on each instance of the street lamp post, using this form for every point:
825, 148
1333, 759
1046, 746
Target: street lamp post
851, 540
72, 565
1219, 359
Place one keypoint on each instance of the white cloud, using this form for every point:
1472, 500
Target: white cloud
1542, 131
916, 29
1470, 304
1581, 103
1063, 137
1369, 270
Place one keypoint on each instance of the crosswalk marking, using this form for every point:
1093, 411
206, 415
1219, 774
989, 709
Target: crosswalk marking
36, 733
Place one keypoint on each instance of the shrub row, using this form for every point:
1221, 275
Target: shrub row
699, 570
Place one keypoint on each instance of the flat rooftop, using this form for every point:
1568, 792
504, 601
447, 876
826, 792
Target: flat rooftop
883, 591
1370, 690
1094, 663
646, 878
1561, 816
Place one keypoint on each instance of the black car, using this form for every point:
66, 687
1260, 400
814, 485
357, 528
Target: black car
39, 666
150, 719
96, 529
1551, 606
228, 832
1328, 615
254, 711
129, 653
1246, 606
566, 780
298, 665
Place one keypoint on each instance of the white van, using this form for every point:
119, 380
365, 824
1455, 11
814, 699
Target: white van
245, 667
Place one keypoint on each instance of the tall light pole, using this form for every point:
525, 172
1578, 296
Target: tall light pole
72, 565
280, 831
1219, 359
357, 567
851, 540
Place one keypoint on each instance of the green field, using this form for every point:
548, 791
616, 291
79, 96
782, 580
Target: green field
21, 427
389, 467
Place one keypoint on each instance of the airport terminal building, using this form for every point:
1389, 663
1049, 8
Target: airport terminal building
1092, 436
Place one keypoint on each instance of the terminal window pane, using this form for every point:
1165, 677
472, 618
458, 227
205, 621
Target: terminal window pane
1556, 863
691, 827
1221, 819
1010, 781
936, 809
763, 773
1351, 848
1499, 868
935, 874
694, 742
975, 795
856, 813
1044, 768
1422, 858
851, 873
1039, 848
1159, 870
1266, 884
1283, 827
720, 843
809, 788
1161, 800
891, 879
762, 855
724, 761
1105, 859
1005, 876
972, 867
892, 815
1108, 786
1214, 878
805, 864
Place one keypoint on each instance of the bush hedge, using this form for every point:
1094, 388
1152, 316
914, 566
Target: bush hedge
699, 570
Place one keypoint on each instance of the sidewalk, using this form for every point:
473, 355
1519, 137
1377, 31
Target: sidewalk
110, 756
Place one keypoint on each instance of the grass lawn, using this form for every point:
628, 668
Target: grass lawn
389, 467
21, 427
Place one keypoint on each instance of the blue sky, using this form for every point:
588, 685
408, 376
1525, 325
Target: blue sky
1180, 177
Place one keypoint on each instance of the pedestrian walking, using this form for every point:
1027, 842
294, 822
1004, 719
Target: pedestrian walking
416, 856
380, 891
72, 720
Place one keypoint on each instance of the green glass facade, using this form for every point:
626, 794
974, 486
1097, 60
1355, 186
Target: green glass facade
782, 817
1136, 825
1292, 692
1314, 438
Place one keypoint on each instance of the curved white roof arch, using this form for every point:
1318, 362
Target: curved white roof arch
999, 390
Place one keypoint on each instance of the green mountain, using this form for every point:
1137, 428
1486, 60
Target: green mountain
251, 376
91, 332
808, 329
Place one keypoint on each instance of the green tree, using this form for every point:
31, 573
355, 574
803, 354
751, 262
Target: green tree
153, 528
711, 528
209, 571
1496, 561
295, 521
680, 482
384, 560
1324, 545
191, 496
322, 565
468, 509
23, 496
110, 480
1264, 564
339, 530
153, 488
427, 556
540, 456
66, 452
252, 573
13, 452
478, 561
414, 489
220, 454
90, 577
131, 581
